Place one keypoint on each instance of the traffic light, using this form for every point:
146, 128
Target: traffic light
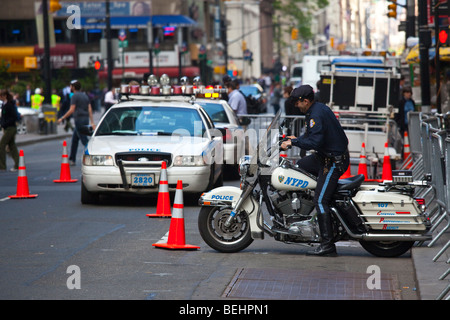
294, 34
392, 9
244, 45
54, 5
299, 47
98, 65
444, 36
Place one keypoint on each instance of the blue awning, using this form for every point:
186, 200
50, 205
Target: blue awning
137, 22
172, 20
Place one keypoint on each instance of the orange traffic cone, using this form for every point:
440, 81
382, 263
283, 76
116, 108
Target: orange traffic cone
22, 181
163, 205
176, 238
362, 168
348, 173
387, 169
64, 176
407, 150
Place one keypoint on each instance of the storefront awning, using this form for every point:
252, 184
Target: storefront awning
13, 57
137, 22
172, 20
414, 56
62, 55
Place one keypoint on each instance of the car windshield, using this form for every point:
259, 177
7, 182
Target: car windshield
215, 111
151, 121
249, 90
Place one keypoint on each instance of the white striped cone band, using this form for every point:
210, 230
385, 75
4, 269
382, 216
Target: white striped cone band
22, 168
163, 183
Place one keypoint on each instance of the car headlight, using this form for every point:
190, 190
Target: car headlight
189, 161
97, 160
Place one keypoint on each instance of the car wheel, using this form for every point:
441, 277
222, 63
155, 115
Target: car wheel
88, 197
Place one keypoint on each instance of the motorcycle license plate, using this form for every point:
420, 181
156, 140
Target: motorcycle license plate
142, 179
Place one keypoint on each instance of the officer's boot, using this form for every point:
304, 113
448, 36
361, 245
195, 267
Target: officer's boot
327, 247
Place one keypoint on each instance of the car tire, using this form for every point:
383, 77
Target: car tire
88, 197
219, 181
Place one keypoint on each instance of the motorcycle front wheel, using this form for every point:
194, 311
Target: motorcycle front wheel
387, 249
211, 224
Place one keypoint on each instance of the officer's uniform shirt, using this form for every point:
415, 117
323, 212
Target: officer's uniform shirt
323, 132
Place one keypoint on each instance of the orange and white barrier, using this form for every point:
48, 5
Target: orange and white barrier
362, 168
176, 238
64, 175
22, 191
387, 168
163, 204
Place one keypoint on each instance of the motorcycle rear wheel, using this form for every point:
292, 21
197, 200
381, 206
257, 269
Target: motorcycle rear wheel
386, 249
211, 224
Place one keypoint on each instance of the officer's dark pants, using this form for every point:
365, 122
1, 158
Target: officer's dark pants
328, 173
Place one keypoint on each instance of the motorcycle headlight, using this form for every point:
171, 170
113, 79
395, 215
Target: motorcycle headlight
189, 161
244, 165
97, 160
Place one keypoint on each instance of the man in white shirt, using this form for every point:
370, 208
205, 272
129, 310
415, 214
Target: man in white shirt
110, 99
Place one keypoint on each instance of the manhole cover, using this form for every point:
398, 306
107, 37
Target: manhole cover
254, 283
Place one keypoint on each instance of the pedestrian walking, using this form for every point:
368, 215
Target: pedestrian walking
81, 109
8, 124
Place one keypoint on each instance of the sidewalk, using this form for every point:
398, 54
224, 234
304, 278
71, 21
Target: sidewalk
29, 138
427, 271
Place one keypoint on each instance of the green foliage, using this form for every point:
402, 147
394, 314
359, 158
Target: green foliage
298, 12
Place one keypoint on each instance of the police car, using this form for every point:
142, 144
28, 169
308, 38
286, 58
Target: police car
227, 122
135, 136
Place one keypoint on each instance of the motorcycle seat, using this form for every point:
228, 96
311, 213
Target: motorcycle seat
350, 183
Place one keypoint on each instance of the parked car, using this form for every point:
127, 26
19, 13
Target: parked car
24, 111
256, 92
227, 122
134, 137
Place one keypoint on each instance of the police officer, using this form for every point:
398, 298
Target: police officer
325, 135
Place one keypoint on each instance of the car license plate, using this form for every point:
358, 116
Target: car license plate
143, 179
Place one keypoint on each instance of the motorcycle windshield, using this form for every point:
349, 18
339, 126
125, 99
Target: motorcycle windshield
267, 152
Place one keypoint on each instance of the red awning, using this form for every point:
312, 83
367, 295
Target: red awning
138, 73
61, 55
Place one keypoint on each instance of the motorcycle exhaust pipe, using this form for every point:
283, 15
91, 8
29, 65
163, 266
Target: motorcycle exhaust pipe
394, 237
384, 236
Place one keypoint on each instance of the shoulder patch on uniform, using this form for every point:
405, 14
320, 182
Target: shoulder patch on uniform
311, 123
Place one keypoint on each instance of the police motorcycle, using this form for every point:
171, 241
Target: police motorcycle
384, 218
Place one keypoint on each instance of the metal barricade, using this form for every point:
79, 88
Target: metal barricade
415, 145
438, 180
414, 161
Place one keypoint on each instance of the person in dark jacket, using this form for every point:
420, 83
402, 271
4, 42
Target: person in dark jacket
325, 135
8, 124
405, 105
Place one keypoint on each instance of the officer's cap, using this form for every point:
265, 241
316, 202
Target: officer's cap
303, 92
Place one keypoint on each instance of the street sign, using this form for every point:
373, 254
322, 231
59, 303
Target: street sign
122, 35
123, 44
